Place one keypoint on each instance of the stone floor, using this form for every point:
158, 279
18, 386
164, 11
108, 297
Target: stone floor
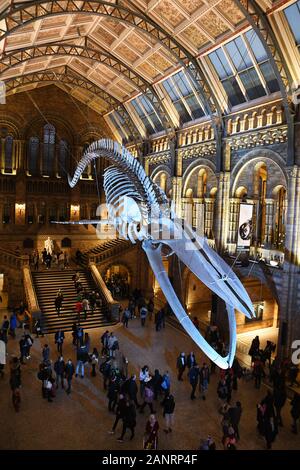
81, 420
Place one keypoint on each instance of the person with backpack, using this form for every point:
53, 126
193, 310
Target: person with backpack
148, 396
168, 404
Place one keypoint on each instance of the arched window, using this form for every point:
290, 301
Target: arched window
280, 216
33, 155
48, 150
260, 191
9, 154
63, 158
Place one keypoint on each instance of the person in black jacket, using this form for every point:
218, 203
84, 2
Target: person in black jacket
59, 340
193, 378
295, 411
23, 349
280, 396
82, 358
112, 393
235, 413
191, 360
156, 383
130, 388
120, 412
59, 368
168, 412
129, 420
181, 365
69, 372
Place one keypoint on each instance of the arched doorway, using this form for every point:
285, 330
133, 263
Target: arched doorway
118, 280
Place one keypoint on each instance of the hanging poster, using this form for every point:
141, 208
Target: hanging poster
245, 227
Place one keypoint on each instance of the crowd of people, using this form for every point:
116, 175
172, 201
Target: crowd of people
130, 395
118, 286
59, 259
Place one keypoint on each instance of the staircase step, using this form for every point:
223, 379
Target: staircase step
47, 283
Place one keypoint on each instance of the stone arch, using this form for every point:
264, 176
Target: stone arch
192, 172
36, 125
156, 177
270, 158
66, 243
14, 122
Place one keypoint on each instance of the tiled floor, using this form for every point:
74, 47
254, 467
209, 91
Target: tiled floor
81, 420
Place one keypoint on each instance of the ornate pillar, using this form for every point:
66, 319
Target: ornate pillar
176, 194
234, 205
222, 211
199, 216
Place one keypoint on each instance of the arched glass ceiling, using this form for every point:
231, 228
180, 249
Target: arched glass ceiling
243, 67
184, 94
292, 14
147, 114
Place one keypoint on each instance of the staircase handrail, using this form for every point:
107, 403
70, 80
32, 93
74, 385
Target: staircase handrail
113, 305
31, 297
112, 251
10, 258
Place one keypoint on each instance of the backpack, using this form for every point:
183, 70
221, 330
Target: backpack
29, 341
165, 383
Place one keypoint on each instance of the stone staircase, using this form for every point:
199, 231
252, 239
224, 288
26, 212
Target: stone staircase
106, 250
47, 283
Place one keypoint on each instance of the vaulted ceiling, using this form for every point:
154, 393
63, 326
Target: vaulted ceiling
112, 52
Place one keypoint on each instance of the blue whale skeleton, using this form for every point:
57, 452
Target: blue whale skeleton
139, 210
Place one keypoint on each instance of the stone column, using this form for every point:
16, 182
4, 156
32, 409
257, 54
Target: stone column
234, 205
221, 215
289, 316
176, 194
